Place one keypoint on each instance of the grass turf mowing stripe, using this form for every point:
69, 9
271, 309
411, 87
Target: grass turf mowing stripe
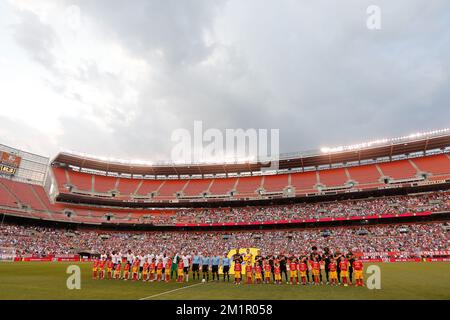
170, 291
42, 280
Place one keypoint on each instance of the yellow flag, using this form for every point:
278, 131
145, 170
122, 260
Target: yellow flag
253, 252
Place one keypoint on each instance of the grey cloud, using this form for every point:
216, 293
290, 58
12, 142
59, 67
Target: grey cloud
18, 134
177, 28
36, 38
312, 69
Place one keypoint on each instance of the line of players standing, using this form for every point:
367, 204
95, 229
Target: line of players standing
304, 269
141, 267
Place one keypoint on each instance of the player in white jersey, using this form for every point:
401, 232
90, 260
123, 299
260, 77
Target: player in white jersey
115, 258
186, 263
141, 258
130, 257
164, 260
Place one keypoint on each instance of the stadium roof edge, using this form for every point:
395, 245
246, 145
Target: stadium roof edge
385, 148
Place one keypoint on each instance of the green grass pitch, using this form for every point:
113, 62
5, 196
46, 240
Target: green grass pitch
38, 280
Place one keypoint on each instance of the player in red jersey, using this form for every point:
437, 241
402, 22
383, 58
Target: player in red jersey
95, 269
109, 269
358, 268
258, 273
152, 270
303, 268
332, 268
277, 272
267, 271
180, 271
237, 272
249, 273
316, 271
126, 271
167, 269
159, 269
343, 264
117, 271
145, 271
135, 270
293, 271
101, 267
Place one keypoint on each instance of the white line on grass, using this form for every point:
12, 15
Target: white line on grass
170, 291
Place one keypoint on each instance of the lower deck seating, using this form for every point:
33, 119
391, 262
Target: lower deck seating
7, 198
24, 193
354, 209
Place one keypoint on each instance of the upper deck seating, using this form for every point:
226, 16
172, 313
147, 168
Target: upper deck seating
276, 183
333, 177
247, 186
81, 181
127, 187
170, 188
222, 186
61, 178
104, 184
149, 186
401, 169
304, 182
365, 175
196, 187
436, 165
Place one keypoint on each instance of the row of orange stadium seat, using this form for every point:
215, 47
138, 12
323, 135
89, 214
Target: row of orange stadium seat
365, 174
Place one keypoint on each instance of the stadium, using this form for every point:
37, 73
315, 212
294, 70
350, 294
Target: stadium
386, 204
250, 157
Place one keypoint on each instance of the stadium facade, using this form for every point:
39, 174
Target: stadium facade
83, 190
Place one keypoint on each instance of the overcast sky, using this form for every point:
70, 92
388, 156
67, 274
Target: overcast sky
109, 78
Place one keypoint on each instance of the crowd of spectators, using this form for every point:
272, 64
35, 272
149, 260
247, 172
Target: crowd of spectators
435, 201
406, 238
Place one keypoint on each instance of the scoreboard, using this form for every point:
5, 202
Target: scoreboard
9, 163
